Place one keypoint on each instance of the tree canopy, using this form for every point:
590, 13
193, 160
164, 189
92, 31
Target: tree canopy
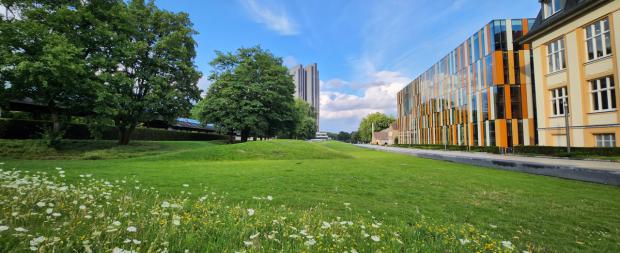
150, 72
251, 93
127, 62
380, 121
304, 121
47, 55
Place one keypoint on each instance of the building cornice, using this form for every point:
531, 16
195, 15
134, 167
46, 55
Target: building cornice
561, 18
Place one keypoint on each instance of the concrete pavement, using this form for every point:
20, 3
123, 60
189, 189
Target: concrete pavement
591, 171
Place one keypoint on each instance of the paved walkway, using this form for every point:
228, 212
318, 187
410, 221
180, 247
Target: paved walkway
584, 170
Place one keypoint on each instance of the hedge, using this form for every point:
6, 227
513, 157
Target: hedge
538, 150
31, 129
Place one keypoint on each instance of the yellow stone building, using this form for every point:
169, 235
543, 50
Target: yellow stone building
575, 60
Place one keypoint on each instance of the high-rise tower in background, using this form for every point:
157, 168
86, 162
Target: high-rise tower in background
307, 86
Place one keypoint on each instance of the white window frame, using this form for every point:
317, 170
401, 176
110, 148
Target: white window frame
558, 97
596, 90
555, 55
605, 140
550, 7
603, 36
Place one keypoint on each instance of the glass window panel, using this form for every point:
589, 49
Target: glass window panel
588, 32
607, 44
604, 100
590, 50
594, 97
557, 5
612, 93
599, 46
556, 57
605, 25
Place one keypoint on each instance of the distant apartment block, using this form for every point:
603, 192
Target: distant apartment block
575, 50
307, 85
480, 94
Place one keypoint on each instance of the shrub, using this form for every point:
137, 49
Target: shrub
32, 129
535, 150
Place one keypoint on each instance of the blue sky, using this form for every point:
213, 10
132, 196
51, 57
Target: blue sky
366, 50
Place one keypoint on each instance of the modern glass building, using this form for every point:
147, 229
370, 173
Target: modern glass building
480, 94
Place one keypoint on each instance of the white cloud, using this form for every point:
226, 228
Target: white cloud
290, 61
378, 95
334, 84
204, 84
275, 18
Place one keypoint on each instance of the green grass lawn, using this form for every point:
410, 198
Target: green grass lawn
537, 213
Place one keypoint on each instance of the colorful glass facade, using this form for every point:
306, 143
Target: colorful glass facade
478, 95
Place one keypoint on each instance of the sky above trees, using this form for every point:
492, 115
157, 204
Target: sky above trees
366, 50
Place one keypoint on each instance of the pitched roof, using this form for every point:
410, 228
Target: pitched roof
572, 9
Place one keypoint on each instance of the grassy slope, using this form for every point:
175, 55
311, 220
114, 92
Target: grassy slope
551, 214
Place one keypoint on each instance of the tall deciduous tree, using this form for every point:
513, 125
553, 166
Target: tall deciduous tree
304, 126
150, 71
47, 55
380, 121
251, 93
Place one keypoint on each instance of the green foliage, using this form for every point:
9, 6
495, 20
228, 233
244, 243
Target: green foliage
355, 137
125, 61
251, 93
576, 152
44, 58
304, 120
29, 129
343, 136
380, 121
149, 70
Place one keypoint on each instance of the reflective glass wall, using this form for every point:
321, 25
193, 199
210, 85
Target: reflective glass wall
477, 95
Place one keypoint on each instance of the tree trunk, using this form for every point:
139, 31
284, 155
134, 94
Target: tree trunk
245, 134
124, 134
231, 137
54, 135
55, 122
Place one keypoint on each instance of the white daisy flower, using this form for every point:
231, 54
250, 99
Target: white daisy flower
250, 211
464, 241
507, 244
132, 229
165, 204
310, 242
375, 238
254, 235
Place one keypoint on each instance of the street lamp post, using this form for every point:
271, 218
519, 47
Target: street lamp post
566, 125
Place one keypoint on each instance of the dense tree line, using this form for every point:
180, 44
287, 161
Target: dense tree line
380, 121
116, 61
